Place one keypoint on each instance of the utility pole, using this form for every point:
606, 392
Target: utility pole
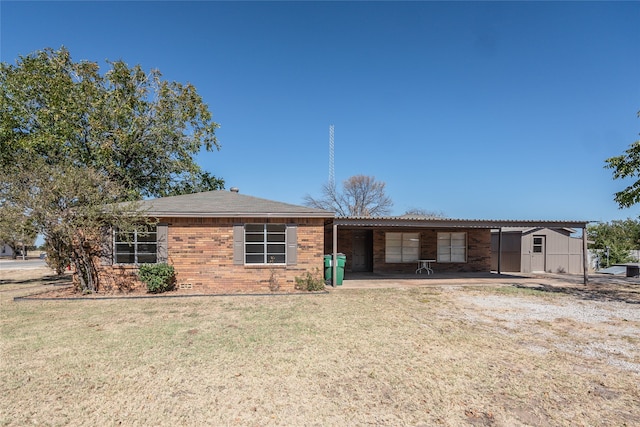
332, 177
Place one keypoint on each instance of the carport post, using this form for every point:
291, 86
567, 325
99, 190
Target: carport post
500, 250
585, 266
334, 257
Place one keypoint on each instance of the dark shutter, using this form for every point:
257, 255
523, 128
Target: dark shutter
292, 244
106, 246
163, 242
238, 245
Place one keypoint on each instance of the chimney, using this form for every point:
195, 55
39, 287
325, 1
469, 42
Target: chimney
234, 189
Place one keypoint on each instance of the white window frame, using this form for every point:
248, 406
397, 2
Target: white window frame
138, 240
452, 247
266, 243
401, 247
538, 248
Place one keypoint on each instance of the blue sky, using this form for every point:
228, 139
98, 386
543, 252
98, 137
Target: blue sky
491, 110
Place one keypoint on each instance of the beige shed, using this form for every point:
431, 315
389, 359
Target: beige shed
537, 249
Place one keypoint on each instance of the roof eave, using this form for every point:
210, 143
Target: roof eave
236, 215
454, 223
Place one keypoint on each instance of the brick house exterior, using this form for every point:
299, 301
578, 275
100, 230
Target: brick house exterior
226, 242
215, 242
200, 250
478, 256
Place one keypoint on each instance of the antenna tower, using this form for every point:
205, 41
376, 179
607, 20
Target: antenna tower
332, 178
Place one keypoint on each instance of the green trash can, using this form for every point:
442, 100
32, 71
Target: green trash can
328, 269
342, 261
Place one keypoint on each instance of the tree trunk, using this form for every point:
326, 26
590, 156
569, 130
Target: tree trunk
85, 268
79, 273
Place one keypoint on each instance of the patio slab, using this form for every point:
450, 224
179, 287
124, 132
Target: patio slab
382, 281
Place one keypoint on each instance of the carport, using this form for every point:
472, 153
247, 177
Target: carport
394, 244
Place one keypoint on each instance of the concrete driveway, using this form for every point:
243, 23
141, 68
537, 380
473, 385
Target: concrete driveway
19, 264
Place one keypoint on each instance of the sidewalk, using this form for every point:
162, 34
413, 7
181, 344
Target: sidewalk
19, 264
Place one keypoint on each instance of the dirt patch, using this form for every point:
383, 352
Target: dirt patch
600, 329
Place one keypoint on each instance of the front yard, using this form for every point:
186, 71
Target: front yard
449, 355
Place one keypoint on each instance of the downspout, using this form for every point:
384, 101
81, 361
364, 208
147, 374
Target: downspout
334, 257
585, 267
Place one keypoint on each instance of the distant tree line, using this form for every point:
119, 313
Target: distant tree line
614, 241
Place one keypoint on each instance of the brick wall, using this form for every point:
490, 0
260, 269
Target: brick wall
201, 251
478, 250
345, 245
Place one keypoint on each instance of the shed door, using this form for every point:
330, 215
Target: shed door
538, 252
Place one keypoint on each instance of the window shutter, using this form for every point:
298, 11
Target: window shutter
162, 242
292, 245
238, 245
106, 246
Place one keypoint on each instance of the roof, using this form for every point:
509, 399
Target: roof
225, 204
230, 204
525, 230
418, 221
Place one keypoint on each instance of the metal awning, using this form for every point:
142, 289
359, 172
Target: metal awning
426, 222
429, 222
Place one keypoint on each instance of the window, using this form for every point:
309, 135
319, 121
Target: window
537, 245
265, 243
402, 247
452, 247
136, 247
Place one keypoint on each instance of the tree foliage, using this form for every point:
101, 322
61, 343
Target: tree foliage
625, 166
420, 212
73, 208
132, 127
618, 237
361, 195
74, 141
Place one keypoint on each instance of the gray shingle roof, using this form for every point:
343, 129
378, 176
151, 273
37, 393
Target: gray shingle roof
226, 204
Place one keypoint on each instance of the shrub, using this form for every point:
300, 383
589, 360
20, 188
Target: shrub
158, 277
310, 282
274, 285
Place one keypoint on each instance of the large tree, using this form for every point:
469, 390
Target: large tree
361, 195
74, 140
134, 128
73, 208
625, 166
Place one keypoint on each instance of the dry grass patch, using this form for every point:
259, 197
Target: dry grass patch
21, 282
383, 357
